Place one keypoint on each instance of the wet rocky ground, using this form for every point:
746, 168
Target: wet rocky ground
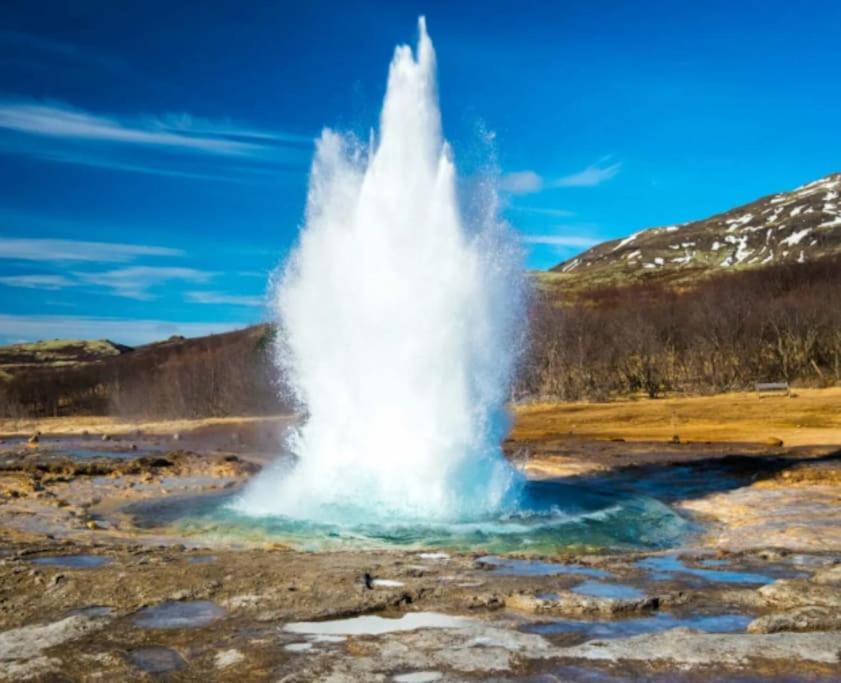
87, 594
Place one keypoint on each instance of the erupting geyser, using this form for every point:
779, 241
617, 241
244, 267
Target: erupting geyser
401, 320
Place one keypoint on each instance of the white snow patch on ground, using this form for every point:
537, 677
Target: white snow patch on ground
774, 216
627, 240
742, 251
735, 223
795, 237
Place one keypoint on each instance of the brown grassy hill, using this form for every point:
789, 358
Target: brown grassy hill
218, 375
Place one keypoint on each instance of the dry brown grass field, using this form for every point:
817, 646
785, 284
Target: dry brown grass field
809, 417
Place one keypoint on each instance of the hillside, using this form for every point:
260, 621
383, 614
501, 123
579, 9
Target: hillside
789, 227
57, 352
218, 375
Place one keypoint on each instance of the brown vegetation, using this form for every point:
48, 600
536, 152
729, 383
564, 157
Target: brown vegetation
777, 323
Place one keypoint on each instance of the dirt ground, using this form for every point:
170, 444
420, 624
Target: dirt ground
88, 593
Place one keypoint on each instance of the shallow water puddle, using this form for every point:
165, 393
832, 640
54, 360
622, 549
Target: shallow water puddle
370, 625
171, 615
89, 453
665, 567
419, 677
515, 567
621, 628
599, 589
156, 660
298, 647
202, 559
386, 583
73, 561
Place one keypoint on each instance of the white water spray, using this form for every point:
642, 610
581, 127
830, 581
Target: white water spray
401, 321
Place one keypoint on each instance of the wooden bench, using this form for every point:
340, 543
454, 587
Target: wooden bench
772, 387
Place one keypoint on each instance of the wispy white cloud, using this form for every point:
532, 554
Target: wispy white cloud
542, 211
529, 182
136, 282
171, 144
222, 298
52, 250
126, 331
593, 175
554, 240
172, 130
51, 282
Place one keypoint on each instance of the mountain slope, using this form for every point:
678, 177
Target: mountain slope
797, 226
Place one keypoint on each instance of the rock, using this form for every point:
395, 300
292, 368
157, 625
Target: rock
831, 575
567, 602
29, 641
773, 441
227, 658
490, 601
676, 439
801, 593
686, 647
92, 525
35, 439
800, 619
106, 437
176, 437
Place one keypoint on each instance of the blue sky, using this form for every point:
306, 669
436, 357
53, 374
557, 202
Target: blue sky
154, 156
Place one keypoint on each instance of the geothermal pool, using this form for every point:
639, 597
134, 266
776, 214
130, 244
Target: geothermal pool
550, 515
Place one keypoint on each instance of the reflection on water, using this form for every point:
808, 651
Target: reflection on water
372, 625
72, 561
662, 621
516, 567
665, 567
169, 615
616, 591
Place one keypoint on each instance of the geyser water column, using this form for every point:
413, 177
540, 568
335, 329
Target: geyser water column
400, 321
